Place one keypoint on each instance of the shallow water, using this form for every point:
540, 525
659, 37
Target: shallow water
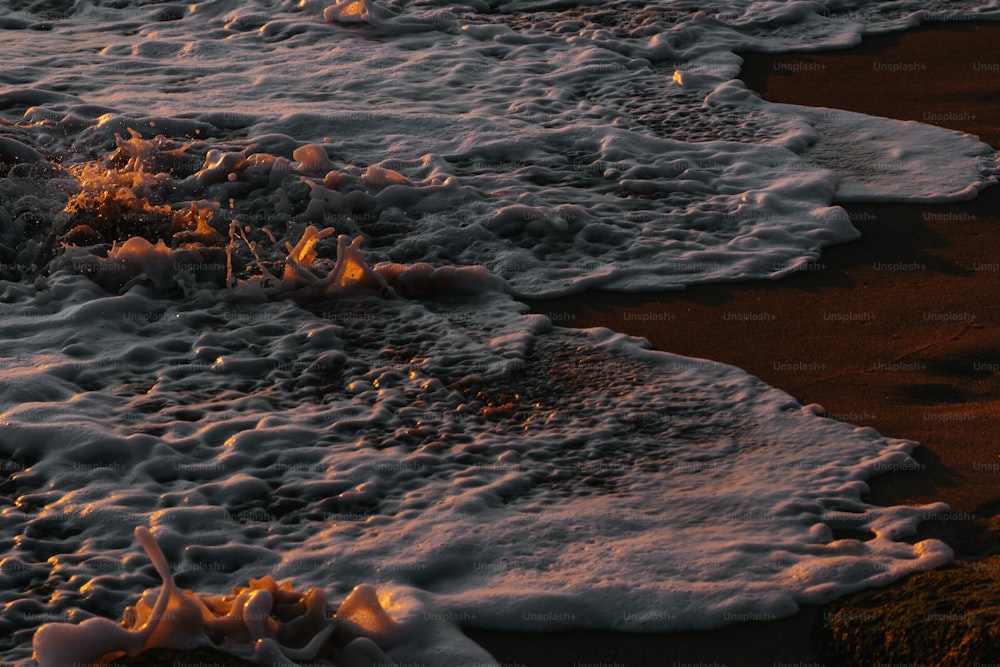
182, 350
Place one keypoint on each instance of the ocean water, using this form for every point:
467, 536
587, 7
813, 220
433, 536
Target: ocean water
261, 266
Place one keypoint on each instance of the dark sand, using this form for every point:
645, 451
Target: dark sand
914, 353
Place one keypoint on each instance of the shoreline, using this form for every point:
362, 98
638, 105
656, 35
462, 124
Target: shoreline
894, 331
931, 77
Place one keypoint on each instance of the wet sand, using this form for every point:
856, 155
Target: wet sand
898, 331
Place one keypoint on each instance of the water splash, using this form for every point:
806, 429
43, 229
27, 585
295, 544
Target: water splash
265, 622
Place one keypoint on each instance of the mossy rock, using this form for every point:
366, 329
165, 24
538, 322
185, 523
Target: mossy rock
944, 618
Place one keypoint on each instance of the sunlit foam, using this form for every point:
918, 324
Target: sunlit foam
125, 197
265, 622
377, 177
303, 270
119, 203
347, 11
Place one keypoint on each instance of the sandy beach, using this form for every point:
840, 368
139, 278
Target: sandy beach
896, 331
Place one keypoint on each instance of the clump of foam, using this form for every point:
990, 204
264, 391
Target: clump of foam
423, 278
116, 203
372, 13
304, 270
125, 198
156, 155
348, 11
137, 260
97, 639
265, 622
377, 177
120, 202
349, 269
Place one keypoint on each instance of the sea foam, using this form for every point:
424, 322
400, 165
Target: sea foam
517, 474
259, 268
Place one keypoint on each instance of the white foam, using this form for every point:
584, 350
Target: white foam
618, 157
881, 159
272, 396
599, 488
